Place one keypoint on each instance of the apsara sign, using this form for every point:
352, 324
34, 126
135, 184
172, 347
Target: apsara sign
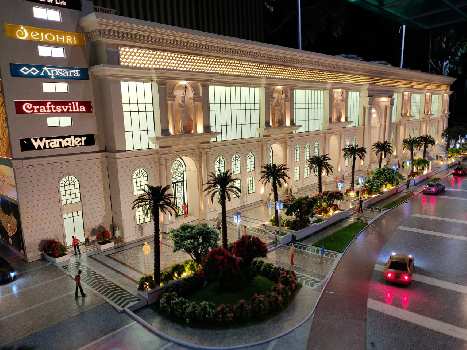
52, 107
44, 35
48, 72
41, 143
69, 4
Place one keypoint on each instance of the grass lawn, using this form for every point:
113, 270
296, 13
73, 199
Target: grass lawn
340, 239
397, 202
212, 293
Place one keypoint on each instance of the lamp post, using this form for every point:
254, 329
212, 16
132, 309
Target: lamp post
146, 251
279, 207
237, 219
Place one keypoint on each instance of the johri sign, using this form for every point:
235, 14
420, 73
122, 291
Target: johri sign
68, 4
44, 35
48, 72
42, 143
52, 107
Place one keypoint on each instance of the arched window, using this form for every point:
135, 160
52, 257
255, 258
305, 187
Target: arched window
250, 162
251, 184
236, 164
297, 153
140, 181
219, 165
69, 190
179, 184
307, 151
316, 150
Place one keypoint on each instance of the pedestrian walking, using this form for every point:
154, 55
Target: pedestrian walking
292, 257
78, 285
75, 243
360, 204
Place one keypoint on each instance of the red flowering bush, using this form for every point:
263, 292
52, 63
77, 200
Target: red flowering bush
53, 248
221, 265
224, 314
104, 237
248, 248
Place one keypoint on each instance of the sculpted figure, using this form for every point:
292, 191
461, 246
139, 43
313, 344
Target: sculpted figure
278, 109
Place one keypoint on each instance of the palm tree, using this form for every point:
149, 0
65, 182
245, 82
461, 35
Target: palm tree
352, 152
382, 150
223, 185
155, 200
410, 144
320, 164
425, 141
276, 175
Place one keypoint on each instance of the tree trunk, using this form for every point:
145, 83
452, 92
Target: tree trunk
352, 186
224, 222
411, 159
320, 181
424, 151
276, 199
380, 160
157, 247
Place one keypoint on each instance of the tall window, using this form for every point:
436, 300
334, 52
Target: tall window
140, 181
436, 104
179, 181
251, 184
219, 165
306, 170
250, 162
238, 183
307, 151
69, 190
138, 115
309, 109
47, 14
316, 149
236, 164
415, 105
353, 107
234, 112
394, 108
296, 175
297, 153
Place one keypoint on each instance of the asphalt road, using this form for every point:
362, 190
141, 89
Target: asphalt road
359, 310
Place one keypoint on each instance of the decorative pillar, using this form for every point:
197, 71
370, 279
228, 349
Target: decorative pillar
205, 107
326, 110
163, 108
368, 103
291, 119
268, 100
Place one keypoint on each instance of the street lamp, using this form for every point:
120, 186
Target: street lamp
237, 219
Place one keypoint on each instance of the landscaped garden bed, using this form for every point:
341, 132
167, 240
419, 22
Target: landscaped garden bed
54, 251
339, 240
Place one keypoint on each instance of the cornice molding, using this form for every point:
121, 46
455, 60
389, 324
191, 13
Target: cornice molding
126, 31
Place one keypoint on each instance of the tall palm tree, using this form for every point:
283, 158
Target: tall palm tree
411, 144
222, 185
276, 175
382, 150
352, 152
320, 164
425, 142
155, 200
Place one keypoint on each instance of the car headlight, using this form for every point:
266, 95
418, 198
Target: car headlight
12, 274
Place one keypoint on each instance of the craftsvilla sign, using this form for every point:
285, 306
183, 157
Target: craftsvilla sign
48, 72
68, 4
41, 143
44, 35
52, 107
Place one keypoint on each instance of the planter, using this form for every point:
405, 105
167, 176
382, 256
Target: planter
105, 246
56, 261
153, 295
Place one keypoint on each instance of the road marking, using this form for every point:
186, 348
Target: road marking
87, 346
32, 287
455, 190
458, 221
432, 233
433, 281
36, 305
412, 317
452, 197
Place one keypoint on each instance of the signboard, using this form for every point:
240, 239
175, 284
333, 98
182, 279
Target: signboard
52, 107
44, 35
68, 4
24, 70
41, 143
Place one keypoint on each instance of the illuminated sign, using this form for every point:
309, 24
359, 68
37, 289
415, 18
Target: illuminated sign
44, 35
52, 107
69, 4
40, 143
48, 72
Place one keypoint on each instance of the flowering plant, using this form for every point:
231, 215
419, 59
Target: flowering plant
53, 248
104, 237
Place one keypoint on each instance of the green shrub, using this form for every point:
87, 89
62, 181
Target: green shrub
146, 282
206, 312
242, 310
259, 305
224, 314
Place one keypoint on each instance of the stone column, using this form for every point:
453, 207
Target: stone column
291, 121
163, 108
368, 103
326, 110
205, 107
267, 106
203, 176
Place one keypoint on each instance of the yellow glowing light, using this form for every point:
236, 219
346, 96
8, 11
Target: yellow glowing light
261, 190
45, 35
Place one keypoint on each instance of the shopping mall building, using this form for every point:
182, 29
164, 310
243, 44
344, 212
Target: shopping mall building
94, 106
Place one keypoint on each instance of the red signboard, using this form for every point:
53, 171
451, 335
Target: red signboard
52, 107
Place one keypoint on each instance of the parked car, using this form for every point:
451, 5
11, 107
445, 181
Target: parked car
459, 171
399, 268
434, 188
7, 273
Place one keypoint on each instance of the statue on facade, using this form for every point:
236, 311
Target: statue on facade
183, 113
339, 106
278, 108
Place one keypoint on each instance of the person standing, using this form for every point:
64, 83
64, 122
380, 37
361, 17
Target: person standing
78, 285
75, 244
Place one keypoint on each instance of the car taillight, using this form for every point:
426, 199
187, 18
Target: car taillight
389, 275
406, 277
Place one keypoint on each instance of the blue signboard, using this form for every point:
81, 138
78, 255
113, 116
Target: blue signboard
48, 72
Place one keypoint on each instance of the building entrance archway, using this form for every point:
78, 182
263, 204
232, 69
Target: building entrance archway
185, 189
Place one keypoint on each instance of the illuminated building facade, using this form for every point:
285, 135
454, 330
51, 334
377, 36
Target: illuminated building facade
98, 106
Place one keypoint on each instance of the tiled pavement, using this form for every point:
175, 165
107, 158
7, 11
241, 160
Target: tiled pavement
111, 292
